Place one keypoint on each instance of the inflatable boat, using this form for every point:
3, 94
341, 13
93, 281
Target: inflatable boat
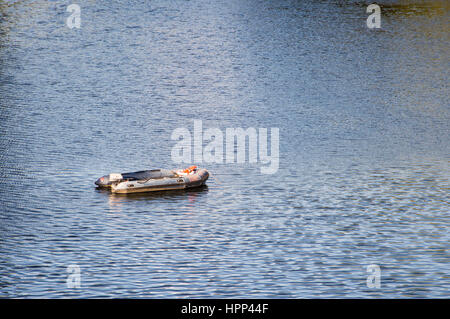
154, 180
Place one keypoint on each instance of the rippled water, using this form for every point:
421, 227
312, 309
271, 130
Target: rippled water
364, 148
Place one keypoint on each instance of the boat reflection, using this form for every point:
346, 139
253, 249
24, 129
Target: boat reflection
116, 201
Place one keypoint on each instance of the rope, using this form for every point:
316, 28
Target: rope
215, 178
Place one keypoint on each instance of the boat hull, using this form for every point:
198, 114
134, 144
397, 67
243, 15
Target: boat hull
106, 181
195, 179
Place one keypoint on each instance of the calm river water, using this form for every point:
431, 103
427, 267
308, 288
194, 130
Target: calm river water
364, 148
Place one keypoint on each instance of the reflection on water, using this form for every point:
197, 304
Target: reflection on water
118, 201
364, 149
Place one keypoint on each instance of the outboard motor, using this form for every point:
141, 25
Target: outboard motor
107, 180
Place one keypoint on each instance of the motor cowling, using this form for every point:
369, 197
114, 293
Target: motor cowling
115, 177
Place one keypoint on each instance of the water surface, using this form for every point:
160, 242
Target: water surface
364, 149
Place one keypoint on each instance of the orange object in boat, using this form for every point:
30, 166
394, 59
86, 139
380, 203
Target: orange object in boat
190, 169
